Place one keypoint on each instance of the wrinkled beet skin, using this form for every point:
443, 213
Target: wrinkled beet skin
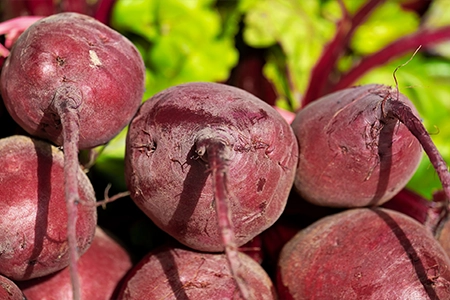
73, 50
175, 190
9, 290
178, 273
362, 253
101, 270
33, 223
340, 140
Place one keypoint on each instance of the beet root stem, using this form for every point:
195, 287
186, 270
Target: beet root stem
66, 103
437, 212
216, 158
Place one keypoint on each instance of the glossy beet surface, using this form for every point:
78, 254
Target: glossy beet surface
75, 53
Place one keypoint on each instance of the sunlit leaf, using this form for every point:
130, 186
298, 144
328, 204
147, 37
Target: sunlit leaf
185, 40
297, 26
436, 16
387, 23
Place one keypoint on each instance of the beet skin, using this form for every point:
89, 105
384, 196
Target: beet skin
101, 270
178, 273
361, 253
33, 223
77, 57
353, 153
9, 290
168, 170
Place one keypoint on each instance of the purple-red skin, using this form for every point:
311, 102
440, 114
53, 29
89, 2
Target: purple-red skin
351, 155
9, 290
33, 223
74, 52
364, 253
181, 273
174, 188
101, 270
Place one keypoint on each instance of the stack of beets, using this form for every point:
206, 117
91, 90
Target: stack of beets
218, 170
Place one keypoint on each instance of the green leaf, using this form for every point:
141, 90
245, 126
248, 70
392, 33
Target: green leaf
387, 23
185, 40
299, 27
135, 16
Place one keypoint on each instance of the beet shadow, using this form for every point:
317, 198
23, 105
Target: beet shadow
192, 190
411, 252
44, 165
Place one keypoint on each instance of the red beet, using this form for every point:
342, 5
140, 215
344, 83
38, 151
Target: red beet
69, 59
364, 254
76, 82
33, 223
101, 270
210, 164
177, 273
169, 175
9, 290
354, 151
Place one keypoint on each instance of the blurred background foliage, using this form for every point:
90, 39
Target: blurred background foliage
287, 52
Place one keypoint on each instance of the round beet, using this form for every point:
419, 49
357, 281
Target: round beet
354, 151
77, 58
33, 223
210, 164
168, 170
364, 254
176, 273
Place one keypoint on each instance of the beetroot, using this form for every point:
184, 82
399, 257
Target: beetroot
364, 253
178, 273
168, 170
33, 223
354, 152
76, 82
72, 60
101, 270
9, 290
210, 164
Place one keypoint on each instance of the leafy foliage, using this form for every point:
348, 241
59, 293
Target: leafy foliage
181, 41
